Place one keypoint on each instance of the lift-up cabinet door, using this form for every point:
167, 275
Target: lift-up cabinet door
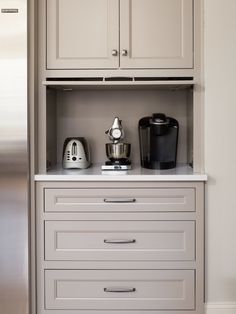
156, 34
82, 34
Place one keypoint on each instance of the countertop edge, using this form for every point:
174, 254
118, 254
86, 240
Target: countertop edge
126, 178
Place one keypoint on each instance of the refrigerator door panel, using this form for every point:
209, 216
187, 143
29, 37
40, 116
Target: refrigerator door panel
13, 158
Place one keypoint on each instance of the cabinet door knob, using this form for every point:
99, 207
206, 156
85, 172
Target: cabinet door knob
124, 53
114, 52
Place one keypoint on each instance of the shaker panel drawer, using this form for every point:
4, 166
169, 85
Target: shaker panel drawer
119, 289
119, 240
120, 200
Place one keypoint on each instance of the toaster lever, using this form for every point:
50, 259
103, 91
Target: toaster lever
74, 149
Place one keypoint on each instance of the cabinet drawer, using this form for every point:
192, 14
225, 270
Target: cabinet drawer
119, 240
119, 289
120, 200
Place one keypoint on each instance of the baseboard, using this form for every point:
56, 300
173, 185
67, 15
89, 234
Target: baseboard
220, 308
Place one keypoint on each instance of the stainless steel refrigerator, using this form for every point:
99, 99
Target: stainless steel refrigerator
14, 161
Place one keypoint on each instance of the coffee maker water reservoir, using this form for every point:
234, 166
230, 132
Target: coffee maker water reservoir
158, 136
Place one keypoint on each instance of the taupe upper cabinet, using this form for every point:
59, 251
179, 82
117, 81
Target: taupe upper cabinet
100, 34
156, 33
82, 34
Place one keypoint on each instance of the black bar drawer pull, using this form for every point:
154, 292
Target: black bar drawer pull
119, 241
119, 200
9, 10
119, 289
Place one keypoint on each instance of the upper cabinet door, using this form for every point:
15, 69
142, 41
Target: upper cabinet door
156, 34
82, 34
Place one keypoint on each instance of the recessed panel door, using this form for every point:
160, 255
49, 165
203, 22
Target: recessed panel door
119, 240
82, 34
156, 33
117, 290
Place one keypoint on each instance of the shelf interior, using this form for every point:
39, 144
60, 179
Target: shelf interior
89, 113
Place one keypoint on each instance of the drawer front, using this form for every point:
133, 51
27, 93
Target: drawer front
119, 240
120, 200
119, 289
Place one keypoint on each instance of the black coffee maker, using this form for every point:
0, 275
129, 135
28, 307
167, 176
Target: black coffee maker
158, 136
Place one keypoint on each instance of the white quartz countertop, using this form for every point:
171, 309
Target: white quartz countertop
94, 173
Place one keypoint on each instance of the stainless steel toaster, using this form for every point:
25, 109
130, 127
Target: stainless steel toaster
76, 154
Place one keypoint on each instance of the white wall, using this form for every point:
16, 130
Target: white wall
220, 154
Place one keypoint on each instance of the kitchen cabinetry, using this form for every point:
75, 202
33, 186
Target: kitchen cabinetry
130, 242
86, 110
116, 240
127, 34
121, 256
96, 290
82, 34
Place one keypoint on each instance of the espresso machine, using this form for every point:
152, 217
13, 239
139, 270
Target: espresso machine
117, 152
